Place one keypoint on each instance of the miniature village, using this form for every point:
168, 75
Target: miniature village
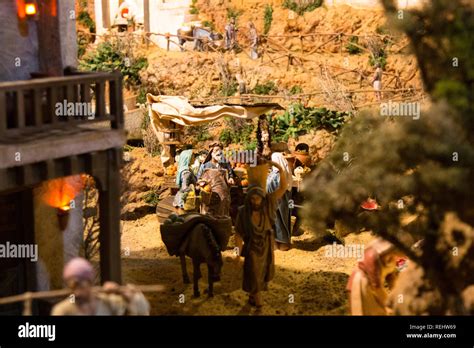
229, 157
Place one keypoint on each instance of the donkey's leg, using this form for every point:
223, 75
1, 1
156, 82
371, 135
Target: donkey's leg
184, 269
210, 282
196, 276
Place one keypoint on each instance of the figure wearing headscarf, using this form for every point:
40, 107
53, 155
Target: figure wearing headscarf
366, 285
282, 221
215, 160
230, 34
302, 159
184, 178
216, 171
79, 276
253, 36
255, 221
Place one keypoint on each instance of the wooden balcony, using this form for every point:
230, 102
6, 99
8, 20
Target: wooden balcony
31, 106
38, 143
40, 122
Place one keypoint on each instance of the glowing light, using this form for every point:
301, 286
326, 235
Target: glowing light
30, 9
59, 193
65, 208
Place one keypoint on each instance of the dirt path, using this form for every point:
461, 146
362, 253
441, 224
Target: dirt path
307, 282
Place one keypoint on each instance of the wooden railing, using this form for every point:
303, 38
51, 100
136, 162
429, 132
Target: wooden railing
58, 102
28, 297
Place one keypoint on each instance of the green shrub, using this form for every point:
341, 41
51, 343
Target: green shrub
85, 19
300, 7
229, 89
296, 90
141, 97
193, 8
82, 43
107, 58
266, 88
237, 131
267, 19
145, 120
382, 60
234, 13
198, 133
152, 198
352, 47
209, 24
299, 120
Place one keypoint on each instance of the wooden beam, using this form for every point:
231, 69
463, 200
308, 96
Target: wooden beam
116, 102
3, 112
38, 107
27, 221
106, 14
49, 39
146, 15
109, 218
20, 108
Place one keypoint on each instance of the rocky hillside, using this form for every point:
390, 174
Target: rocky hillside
324, 63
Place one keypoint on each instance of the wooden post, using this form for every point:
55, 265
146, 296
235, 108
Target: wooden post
116, 102
146, 15
109, 218
105, 14
49, 42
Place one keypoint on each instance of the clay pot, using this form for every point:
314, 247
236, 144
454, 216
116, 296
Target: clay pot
303, 158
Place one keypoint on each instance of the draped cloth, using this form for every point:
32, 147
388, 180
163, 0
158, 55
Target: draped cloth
164, 110
367, 295
178, 110
278, 158
184, 162
258, 249
282, 221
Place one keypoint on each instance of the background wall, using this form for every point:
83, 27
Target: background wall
67, 23
55, 247
18, 54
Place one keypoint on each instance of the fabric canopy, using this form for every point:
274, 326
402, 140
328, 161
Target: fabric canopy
178, 110
163, 110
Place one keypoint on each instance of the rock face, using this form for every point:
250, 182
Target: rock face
198, 75
142, 183
320, 143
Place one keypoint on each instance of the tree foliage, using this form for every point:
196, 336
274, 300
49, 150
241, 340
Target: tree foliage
419, 170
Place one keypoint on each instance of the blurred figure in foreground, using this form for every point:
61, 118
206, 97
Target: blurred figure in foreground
376, 273
113, 300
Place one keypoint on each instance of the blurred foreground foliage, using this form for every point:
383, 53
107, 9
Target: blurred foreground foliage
420, 171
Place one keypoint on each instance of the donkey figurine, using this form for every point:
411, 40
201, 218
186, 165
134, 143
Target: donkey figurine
202, 247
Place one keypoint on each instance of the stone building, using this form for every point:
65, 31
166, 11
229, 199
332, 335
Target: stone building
38, 145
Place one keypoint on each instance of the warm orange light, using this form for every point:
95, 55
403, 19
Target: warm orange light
58, 193
65, 208
30, 9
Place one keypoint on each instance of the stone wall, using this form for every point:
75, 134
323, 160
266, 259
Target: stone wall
19, 53
55, 247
